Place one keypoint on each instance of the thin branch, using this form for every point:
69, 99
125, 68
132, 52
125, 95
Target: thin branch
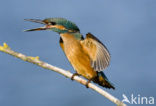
35, 60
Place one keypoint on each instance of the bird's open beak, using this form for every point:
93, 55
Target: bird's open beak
41, 22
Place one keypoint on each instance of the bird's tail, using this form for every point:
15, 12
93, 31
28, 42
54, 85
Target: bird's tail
102, 80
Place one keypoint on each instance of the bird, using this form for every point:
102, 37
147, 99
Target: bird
88, 56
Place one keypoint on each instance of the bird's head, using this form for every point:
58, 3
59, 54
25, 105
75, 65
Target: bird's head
59, 25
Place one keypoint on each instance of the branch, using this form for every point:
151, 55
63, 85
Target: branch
35, 60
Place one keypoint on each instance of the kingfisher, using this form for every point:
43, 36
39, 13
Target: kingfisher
88, 56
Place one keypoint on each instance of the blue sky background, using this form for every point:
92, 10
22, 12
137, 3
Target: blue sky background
126, 27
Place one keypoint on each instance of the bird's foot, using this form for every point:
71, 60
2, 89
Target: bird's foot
88, 83
75, 74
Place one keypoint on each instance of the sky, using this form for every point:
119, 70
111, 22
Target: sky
126, 27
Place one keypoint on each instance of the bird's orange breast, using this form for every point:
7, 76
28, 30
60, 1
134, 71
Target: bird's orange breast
77, 57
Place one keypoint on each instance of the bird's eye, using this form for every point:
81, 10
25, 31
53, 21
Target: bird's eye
53, 23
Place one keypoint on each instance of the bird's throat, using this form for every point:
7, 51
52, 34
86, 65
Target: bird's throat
67, 36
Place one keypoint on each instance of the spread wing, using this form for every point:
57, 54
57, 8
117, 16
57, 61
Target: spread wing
97, 52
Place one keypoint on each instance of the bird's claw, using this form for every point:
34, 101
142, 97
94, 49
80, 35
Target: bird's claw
88, 83
75, 74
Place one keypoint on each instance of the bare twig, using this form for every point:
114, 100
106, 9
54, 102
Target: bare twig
35, 60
